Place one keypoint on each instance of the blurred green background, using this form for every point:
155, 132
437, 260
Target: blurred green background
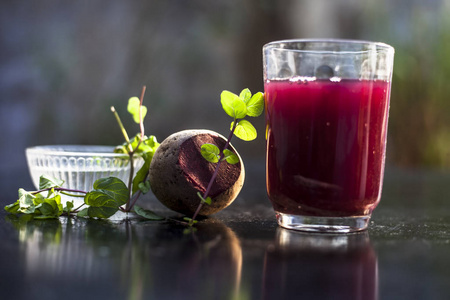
63, 64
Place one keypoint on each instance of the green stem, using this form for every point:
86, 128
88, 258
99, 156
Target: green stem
130, 181
72, 195
134, 200
76, 209
216, 172
141, 121
122, 128
61, 190
130, 205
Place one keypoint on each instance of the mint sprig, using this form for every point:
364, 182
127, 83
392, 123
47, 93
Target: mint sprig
108, 195
237, 107
105, 199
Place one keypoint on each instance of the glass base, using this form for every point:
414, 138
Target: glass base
323, 224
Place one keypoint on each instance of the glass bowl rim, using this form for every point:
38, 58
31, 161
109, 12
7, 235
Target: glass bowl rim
380, 46
83, 150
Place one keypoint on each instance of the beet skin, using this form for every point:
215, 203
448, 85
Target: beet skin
178, 172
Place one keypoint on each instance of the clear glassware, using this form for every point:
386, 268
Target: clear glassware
79, 166
327, 105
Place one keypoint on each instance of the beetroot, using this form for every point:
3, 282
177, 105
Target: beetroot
178, 172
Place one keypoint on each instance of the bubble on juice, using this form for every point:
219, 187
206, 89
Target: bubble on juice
301, 79
335, 79
324, 72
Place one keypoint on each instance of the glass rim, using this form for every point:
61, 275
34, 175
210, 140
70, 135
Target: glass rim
380, 46
85, 150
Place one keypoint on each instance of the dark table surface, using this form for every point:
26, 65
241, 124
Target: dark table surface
239, 253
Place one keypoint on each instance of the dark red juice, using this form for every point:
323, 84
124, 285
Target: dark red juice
326, 143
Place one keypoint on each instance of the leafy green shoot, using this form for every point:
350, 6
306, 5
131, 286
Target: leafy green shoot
46, 182
206, 200
140, 145
108, 195
210, 152
137, 110
237, 107
230, 157
35, 204
148, 214
233, 105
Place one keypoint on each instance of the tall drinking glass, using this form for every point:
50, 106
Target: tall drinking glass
327, 105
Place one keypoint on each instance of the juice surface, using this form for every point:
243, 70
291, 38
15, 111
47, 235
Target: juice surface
326, 144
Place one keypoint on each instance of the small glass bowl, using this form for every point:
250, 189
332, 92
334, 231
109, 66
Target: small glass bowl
79, 166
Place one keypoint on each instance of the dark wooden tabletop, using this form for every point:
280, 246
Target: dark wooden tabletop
239, 253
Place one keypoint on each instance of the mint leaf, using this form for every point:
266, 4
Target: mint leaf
141, 175
230, 157
133, 108
69, 207
134, 142
233, 105
208, 200
144, 187
210, 152
108, 194
26, 202
46, 182
102, 212
255, 106
148, 214
151, 143
13, 208
147, 150
83, 213
50, 209
109, 187
37, 205
148, 145
244, 130
97, 212
245, 95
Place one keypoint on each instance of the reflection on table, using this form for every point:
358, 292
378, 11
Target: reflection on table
320, 266
149, 259
239, 253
